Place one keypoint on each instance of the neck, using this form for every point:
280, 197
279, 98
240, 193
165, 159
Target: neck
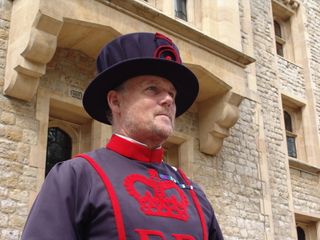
145, 141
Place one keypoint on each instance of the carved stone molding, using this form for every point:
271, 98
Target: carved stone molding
33, 43
293, 4
216, 116
290, 5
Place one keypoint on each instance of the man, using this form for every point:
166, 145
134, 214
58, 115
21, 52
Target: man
126, 191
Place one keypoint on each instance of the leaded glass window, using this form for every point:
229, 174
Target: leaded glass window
291, 137
279, 38
291, 144
59, 147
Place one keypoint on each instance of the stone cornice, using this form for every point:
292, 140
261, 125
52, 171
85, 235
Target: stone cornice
180, 29
291, 5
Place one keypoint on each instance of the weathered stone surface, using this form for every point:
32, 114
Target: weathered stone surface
291, 77
10, 234
247, 182
8, 118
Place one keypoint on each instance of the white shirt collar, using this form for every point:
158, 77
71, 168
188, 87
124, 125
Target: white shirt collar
132, 140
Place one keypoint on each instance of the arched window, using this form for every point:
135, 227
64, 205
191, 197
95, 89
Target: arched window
277, 29
59, 147
291, 137
301, 234
279, 38
288, 121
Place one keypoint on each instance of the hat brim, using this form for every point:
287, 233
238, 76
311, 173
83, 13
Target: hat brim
185, 82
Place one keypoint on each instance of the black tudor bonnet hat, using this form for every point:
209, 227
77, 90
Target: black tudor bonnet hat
134, 55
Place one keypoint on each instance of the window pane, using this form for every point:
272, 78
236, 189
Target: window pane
279, 49
181, 9
277, 29
287, 121
291, 143
59, 147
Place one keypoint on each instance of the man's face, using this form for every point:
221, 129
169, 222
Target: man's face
147, 109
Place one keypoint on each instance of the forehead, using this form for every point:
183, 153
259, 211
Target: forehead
141, 81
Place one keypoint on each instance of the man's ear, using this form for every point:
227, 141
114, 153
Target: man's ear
113, 98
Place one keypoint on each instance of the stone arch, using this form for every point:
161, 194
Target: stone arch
70, 130
301, 233
59, 147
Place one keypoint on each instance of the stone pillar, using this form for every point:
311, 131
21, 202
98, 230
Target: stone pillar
221, 21
318, 229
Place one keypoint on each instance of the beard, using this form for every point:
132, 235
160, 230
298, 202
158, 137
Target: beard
154, 130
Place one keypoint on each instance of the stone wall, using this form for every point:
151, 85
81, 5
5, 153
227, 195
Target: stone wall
269, 92
5, 11
235, 186
291, 78
305, 189
305, 186
68, 70
233, 180
313, 42
18, 130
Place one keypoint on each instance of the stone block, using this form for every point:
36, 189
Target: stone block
16, 221
8, 206
18, 195
5, 9
3, 34
7, 118
10, 234
2, 130
14, 133
3, 219
27, 183
30, 137
3, 191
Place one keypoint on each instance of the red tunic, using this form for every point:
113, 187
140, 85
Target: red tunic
140, 198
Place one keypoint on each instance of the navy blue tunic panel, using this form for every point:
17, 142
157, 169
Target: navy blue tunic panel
74, 204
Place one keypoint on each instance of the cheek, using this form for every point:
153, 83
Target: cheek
140, 111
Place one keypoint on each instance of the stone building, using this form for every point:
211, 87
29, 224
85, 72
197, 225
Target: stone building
251, 140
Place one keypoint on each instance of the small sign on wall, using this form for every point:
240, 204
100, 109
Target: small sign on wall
76, 93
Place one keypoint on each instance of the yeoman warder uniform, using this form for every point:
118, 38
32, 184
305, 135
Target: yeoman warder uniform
125, 190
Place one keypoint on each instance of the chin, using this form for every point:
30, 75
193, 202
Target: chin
164, 131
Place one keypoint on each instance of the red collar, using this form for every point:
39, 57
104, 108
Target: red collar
134, 150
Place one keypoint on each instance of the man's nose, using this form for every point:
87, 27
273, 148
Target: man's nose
167, 98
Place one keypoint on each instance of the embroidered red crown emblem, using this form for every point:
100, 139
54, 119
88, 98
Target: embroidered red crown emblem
157, 197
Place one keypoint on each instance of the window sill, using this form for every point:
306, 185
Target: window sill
294, 163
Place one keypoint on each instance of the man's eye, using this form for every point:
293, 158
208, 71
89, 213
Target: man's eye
152, 88
172, 94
